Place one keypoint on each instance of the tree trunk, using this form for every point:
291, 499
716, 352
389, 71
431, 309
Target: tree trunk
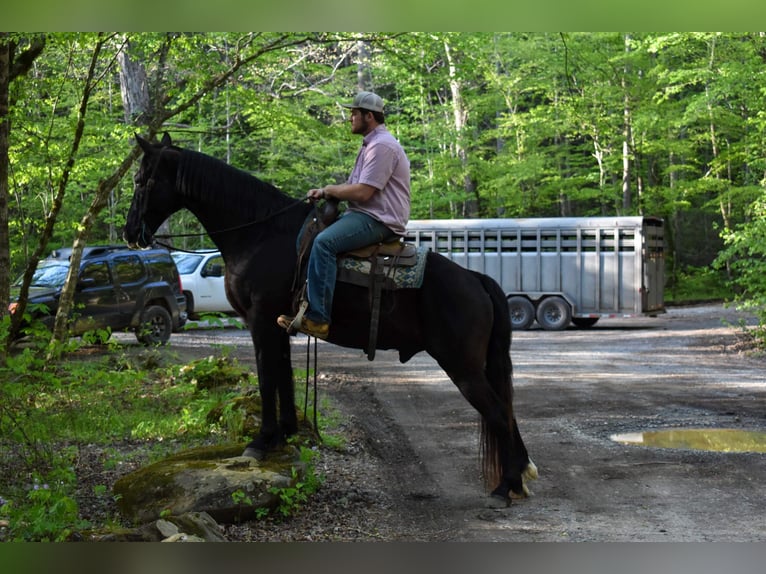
363, 75
5, 129
133, 88
626, 137
66, 301
11, 67
136, 100
460, 117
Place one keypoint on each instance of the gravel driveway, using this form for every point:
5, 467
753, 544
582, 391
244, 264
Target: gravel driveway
410, 471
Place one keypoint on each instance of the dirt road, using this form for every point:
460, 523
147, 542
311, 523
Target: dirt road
574, 390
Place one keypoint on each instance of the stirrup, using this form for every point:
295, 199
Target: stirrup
298, 319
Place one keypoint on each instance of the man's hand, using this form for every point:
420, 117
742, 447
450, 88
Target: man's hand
315, 194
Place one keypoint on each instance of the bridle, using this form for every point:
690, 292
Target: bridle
143, 203
144, 206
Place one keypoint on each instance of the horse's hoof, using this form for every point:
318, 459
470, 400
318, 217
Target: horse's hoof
525, 492
255, 453
497, 500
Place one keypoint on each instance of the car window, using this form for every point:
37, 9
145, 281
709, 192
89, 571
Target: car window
214, 267
128, 268
98, 272
48, 275
161, 268
186, 262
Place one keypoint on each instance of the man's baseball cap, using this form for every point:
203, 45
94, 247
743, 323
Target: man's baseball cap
366, 101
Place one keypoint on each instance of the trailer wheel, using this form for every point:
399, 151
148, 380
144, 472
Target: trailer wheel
554, 314
522, 313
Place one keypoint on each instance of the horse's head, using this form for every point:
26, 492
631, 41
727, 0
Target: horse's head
154, 191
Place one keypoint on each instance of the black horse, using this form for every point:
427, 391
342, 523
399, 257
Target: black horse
457, 316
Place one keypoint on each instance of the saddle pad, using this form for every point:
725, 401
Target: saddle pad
399, 277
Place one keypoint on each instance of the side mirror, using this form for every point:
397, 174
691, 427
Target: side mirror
213, 271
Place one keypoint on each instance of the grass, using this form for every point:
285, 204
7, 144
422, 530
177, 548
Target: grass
108, 396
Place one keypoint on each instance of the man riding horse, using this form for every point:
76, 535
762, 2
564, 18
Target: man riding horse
458, 316
378, 196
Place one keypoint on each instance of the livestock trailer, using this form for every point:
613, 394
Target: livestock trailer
561, 269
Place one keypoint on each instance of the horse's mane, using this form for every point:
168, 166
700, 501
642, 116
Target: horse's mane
211, 181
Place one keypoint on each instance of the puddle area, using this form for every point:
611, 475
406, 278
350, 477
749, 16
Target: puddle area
718, 440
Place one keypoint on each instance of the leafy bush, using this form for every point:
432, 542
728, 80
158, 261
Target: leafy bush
694, 284
44, 510
105, 397
745, 255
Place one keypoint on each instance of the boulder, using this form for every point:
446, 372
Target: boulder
213, 480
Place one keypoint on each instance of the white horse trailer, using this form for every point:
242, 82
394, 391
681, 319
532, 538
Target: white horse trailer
562, 269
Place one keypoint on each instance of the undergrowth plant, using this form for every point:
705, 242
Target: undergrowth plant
109, 397
745, 257
292, 498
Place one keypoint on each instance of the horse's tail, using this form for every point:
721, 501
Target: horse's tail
499, 373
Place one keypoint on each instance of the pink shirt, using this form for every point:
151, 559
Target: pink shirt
382, 164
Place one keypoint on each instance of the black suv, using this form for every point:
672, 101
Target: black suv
117, 289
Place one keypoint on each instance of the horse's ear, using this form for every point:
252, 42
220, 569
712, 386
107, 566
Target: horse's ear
166, 139
145, 145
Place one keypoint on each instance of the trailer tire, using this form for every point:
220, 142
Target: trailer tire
554, 314
522, 313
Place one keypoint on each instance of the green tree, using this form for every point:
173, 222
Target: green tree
16, 58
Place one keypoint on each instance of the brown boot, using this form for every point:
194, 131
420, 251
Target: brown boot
304, 325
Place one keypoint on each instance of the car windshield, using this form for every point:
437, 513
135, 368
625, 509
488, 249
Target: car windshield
48, 274
186, 262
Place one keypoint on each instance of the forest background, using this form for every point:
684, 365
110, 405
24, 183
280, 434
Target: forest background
495, 125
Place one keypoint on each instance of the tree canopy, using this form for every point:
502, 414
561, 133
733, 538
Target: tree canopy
495, 124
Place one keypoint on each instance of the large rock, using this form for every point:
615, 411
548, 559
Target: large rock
217, 481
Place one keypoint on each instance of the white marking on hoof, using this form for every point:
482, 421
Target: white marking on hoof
530, 473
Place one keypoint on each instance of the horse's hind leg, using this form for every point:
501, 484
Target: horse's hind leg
504, 445
519, 460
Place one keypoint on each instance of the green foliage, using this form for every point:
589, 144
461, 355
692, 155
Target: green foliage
292, 498
80, 402
215, 371
698, 284
43, 510
504, 124
106, 395
745, 256
549, 122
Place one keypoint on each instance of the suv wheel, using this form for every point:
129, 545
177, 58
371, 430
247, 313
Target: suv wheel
156, 326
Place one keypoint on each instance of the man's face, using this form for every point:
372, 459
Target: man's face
359, 123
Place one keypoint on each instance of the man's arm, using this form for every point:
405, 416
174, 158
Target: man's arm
358, 192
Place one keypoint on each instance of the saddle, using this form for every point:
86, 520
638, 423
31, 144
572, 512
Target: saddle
378, 262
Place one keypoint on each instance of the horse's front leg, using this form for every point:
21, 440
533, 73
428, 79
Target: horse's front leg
276, 386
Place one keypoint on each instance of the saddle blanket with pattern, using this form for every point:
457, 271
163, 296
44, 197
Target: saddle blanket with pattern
357, 271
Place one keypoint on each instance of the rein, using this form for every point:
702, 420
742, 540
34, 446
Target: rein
306, 396
237, 227
145, 202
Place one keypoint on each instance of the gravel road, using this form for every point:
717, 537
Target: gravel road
410, 470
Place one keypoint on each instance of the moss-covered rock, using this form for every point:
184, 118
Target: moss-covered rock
215, 480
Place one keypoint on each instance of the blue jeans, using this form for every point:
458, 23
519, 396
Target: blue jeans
352, 231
